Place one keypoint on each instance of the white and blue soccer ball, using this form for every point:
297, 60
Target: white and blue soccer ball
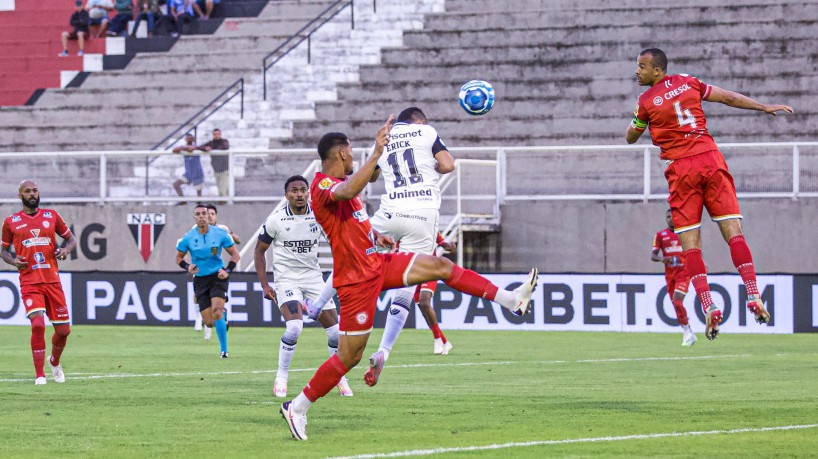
476, 97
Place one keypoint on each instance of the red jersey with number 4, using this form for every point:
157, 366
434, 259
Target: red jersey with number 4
667, 243
348, 230
34, 238
672, 111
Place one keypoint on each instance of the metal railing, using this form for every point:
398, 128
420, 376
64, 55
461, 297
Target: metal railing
783, 170
304, 33
206, 112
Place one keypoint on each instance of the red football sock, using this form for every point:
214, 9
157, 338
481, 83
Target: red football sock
326, 377
471, 283
38, 344
436, 332
681, 313
58, 339
743, 261
694, 264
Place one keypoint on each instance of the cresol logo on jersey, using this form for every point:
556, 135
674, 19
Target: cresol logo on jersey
12, 309
628, 303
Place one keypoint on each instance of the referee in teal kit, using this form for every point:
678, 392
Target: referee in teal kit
205, 242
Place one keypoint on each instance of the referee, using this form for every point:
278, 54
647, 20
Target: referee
205, 242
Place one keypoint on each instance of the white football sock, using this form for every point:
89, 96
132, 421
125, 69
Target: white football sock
506, 298
301, 403
396, 319
326, 294
286, 349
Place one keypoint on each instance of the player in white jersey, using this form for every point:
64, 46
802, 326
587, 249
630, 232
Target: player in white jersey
213, 219
294, 234
411, 165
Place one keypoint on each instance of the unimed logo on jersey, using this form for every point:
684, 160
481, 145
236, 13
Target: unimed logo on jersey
145, 229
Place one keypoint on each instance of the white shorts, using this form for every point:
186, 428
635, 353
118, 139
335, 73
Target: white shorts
416, 230
297, 291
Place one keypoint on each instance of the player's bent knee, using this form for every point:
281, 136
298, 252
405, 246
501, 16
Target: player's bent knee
62, 330
292, 332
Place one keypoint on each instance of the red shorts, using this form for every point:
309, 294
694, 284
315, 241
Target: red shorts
430, 286
359, 301
48, 298
677, 282
700, 181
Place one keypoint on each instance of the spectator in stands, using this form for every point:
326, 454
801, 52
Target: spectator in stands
79, 22
207, 5
220, 163
179, 12
194, 174
148, 9
98, 12
124, 13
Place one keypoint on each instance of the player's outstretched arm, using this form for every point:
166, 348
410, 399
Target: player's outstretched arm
734, 99
357, 182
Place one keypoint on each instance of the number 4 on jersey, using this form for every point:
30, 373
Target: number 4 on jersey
684, 116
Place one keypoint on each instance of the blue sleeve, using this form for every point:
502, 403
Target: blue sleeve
227, 241
182, 245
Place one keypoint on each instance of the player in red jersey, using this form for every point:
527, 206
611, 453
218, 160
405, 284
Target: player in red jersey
361, 273
668, 250
697, 174
32, 232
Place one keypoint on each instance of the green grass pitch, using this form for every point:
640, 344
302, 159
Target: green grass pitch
163, 392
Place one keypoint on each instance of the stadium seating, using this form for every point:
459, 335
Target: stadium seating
563, 71
29, 44
135, 107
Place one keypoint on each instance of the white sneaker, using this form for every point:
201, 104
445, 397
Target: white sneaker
689, 338
296, 422
197, 326
56, 371
343, 387
442, 348
523, 294
207, 332
40, 381
280, 387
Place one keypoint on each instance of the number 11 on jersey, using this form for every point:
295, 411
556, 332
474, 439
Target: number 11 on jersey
409, 159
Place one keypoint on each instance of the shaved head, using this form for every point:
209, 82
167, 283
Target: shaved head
26, 184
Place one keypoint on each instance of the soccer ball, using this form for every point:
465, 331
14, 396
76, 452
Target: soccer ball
476, 97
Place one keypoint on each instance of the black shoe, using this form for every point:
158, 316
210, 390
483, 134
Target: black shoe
224, 355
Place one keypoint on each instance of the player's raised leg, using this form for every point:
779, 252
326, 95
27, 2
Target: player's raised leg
411, 269
743, 261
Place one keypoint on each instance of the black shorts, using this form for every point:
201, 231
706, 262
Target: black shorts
207, 287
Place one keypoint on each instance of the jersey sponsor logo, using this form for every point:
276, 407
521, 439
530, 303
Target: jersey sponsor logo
145, 229
46, 224
15, 219
304, 246
35, 232
415, 217
405, 135
47, 215
410, 194
41, 266
39, 257
360, 215
36, 240
657, 101
21, 226
325, 184
671, 94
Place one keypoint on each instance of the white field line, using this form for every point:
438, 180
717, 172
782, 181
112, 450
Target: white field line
88, 376
428, 452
